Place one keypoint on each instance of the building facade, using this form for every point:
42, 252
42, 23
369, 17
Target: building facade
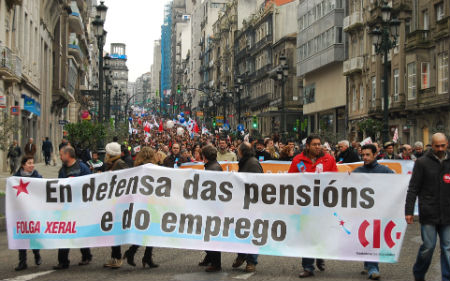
418, 70
321, 52
45, 64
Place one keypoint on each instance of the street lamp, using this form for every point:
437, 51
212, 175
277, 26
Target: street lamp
282, 75
99, 34
107, 70
384, 38
238, 88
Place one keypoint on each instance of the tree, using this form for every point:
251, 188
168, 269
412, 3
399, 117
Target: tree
371, 127
8, 126
85, 134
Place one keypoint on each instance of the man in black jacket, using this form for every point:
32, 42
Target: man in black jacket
174, 158
260, 151
247, 164
430, 181
212, 258
347, 154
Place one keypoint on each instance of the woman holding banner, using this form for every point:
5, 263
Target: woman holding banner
27, 170
145, 156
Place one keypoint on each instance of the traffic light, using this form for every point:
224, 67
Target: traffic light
178, 89
255, 122
214, 122
157, 93
297, 125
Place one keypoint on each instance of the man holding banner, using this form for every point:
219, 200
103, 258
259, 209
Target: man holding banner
72, 167
312, 160
247, 164
371, 166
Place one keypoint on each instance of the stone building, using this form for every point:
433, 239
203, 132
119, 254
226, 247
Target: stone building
44, 66
418, 70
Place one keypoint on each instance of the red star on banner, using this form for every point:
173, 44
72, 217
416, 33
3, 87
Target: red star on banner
22, 187
341, 223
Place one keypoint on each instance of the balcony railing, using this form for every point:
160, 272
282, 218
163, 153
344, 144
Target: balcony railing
418, 39
10, 63
355, 64
353, 21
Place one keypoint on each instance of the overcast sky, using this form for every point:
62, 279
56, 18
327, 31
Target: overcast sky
137, 23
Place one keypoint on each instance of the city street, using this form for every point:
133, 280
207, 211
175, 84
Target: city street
182, 264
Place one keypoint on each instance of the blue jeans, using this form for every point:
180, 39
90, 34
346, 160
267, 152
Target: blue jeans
371, 267
249, 258
429, 236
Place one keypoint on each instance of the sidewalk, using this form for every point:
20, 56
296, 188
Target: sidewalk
46, 172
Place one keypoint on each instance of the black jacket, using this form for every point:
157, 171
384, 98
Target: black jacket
430, 181
373, 168
264, 154
35, 174
170, 161
213, 166
250, 165
47, 147
348, 156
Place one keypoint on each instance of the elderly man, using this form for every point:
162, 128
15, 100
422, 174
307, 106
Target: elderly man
430, 182
347, 154
418, 149
30, 148
407, 153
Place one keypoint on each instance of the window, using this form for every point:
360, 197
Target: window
361, 45
353, 98
396, 81
425, 81
309, 94
440, 13
339, 35
361, 97
412, 80
426, 21
374, 91
443, 73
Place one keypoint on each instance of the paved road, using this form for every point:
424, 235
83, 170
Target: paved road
182, 265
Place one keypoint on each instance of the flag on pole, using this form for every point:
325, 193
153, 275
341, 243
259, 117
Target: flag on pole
147, 127
395, 139
160, 129
130, 129
196, 130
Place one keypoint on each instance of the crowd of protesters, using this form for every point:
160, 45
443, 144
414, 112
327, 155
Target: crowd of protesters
171, 146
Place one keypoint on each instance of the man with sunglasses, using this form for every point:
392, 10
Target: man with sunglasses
430, 182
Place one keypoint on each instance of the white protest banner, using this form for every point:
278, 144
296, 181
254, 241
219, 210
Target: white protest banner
331, 215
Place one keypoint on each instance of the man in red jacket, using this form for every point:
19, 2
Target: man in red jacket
312, 160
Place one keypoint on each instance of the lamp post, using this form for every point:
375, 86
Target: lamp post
100, 34
107, 70
384, 37
282, 75
238, 88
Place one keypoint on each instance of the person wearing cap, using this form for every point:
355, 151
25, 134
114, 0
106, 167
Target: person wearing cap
113, 162
389, 152
260, 151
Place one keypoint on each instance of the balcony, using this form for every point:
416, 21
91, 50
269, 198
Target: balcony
353, 65
74, 48
10, 65
442, 28
419, 39
75, 21
262, 43
355, 20
263, 71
